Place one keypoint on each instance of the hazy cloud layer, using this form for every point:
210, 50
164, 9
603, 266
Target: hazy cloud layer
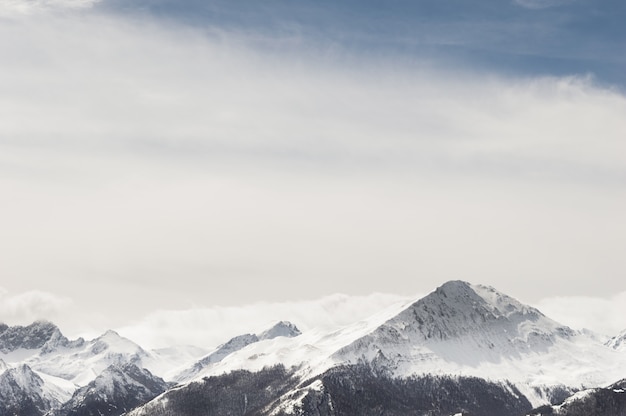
211, 326
208, 327
24, 308
603, 315
145, 165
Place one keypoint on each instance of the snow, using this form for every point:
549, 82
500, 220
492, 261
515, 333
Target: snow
19, 355
169, 362
618, 342
482, 333
57, 388
314, 347
459, 329
81, 363
282, 329
581, 395
294, 399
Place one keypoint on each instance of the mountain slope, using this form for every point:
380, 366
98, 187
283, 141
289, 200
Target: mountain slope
360, 390
281, 329
475, 330
23, 392
343, 390
618, 342
460, 329
463, 348
30, 337
488, 323
238, 393
82, 362
118, 389
607, 401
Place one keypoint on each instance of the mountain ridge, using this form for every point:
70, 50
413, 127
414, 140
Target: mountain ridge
470, 338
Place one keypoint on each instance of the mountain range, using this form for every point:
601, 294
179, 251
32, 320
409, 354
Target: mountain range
463, 349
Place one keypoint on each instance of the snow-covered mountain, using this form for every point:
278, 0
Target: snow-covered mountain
30, 337
463, 348
460, 329
44, 370
23, 392
618, 342
82, 362
475, 330
118, 389
281, 329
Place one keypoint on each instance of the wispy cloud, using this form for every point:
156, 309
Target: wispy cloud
26, 307
14, 8
541, 4
604, 315
210, 326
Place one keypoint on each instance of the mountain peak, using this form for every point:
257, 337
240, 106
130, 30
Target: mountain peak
29, 337
24, 377
470, 299
281, 329
114, 341
117, 389
455, 285
459, 323
110, 334
457, 308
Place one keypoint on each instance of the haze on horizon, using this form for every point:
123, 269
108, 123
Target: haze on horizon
190, 156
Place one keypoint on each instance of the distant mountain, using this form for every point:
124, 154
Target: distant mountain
118, 389
24, 393
618, 342
82, 361
31, 337
281, 329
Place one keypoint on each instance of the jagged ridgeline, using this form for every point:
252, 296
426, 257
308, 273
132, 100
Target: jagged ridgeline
463, 349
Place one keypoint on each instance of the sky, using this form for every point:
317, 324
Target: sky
168, 162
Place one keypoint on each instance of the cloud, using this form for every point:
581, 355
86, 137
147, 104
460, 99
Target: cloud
603, 315
211, 326
14, 8
98, 87
160, 167
541, 4
24, 308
